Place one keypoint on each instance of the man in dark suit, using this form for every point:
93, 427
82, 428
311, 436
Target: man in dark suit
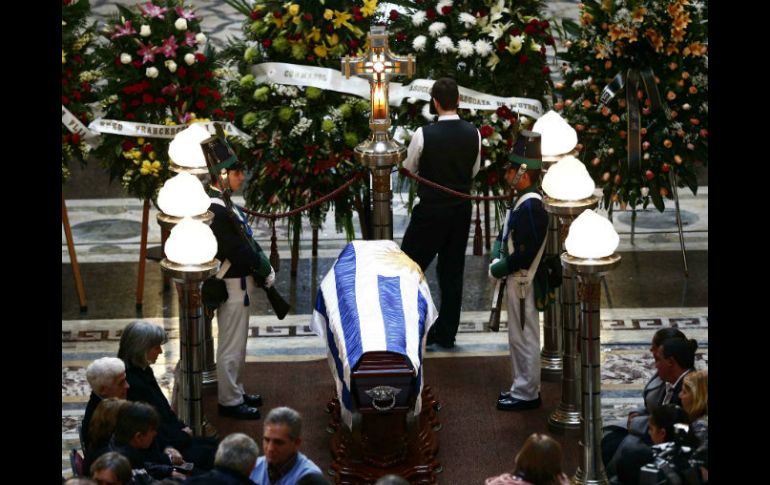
236, 456
447, 152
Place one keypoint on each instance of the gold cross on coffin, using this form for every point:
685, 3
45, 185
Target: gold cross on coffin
378, 67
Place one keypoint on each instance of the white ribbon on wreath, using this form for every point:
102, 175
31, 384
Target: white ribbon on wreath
148, 130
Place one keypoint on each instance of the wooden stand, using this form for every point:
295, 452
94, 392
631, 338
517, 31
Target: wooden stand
73, 257
385, 441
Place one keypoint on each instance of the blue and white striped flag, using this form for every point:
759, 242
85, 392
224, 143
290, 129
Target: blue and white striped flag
374, 298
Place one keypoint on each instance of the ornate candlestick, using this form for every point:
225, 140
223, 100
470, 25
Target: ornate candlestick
380, 152
590, 255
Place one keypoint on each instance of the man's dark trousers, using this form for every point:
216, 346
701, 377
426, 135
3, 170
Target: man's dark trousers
441, 229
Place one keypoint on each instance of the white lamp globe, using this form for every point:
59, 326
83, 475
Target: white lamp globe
183, 196
557, 136
591, 236
568, 179
191, 242
185, 149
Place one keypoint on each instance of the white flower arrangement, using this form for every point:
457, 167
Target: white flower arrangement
301, 127
467, 19
465, 48
437, 28
418, 18
419, 42
483, 48
445, 45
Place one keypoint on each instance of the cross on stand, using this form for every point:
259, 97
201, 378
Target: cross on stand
380, 152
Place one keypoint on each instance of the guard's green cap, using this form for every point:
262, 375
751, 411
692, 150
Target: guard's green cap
527, 150
219, 155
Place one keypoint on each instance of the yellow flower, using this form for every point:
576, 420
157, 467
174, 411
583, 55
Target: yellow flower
279, 22
369, 8
328, 14
63, 57
332, 40
341, 18
152, 155
156, 165
294, 10
601, 51
320, 50
315, 34
140, 141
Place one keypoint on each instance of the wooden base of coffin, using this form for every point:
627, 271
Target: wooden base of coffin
385, 443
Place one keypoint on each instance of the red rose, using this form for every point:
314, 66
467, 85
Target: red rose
310, 58
76, 95
649, 174
501, 46
515, 31
353, 43
393, 15
147, 98
523, 59
549, 40
200, 57
127, 145
215, 94
503, 112
358, 18
64, 82
181, 72
75, 138
308, 17
267, 43
253, 15
219, 112
546, 70
136, 64
482, 12
208, 74
430, 13
136, 102
529, 29
665, 168
86, 87
66, 138
204, 91
277, 14
486, 131
187, 90
130, 116
77, 59
231, 115
446, 10
123, 106
200, 104
356, 10
544, 24
147, 148
160, 100
400, 37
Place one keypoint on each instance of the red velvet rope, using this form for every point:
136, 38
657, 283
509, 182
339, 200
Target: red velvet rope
429, 183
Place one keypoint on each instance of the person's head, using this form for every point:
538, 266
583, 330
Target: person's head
391, 480
111, 469
237, 452
137, 425
695, 394
235, 177
104, 421
107, 377
313, 479
662, 335
281, 436
676, 356
662, 421
140, 343
525, 150
445, 94
539, 460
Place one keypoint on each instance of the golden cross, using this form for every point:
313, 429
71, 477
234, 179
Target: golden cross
378, 66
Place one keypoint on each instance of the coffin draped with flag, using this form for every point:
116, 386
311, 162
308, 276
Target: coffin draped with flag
373, 299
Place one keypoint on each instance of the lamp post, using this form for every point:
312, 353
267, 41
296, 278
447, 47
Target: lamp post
190, 251
557, 139
569, 192
186, 156
380, 152
590, 254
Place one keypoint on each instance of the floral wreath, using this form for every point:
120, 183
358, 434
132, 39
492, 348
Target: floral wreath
671, 38
156, 74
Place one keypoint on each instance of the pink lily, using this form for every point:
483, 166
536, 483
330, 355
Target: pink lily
125, 29
189, 39
169, 47
187, 15
147, 52
151, 10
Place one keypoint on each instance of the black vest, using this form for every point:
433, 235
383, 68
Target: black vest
448, 156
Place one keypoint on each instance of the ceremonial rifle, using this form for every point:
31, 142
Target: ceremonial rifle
499, 293
218, 152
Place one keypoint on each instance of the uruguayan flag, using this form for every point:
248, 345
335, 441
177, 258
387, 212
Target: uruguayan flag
373, 298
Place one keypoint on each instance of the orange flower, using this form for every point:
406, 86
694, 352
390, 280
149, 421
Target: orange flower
616, 32
671, 49
655, 39
697, 48
682, 21
638, 15
674, 9
586, 18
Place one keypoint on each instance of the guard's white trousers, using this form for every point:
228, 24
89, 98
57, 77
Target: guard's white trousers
523, 344
233, 330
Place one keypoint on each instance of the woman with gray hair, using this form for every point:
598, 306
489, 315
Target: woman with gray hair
140, 346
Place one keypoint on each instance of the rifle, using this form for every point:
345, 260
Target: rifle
499, 293
218, 154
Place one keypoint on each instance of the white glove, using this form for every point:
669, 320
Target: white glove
489, 269
270, 279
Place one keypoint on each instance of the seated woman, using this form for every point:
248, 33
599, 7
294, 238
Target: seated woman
537, 463
100, 429
140, 346
695, 400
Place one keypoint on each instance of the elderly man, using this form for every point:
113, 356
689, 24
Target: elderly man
236, 456
107, 378
282, 464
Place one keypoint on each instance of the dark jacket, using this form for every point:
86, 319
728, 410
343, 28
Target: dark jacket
93, 402
231, 245
220, 476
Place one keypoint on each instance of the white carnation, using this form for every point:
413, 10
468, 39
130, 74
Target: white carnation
151, 72
437, 28
125, 58
419, 43
189, 59
171, 65
465, 48
180, 24
145, 31
444, 45
483, 48
418, 18
200, 38
467, 19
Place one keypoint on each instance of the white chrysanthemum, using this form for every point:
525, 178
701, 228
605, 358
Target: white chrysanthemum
418, 18
591, 236
180, 248
443, 3
419, 42
437, 28
426, 112
467, 19
483, 48
444, 45
568, 180
465, 48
